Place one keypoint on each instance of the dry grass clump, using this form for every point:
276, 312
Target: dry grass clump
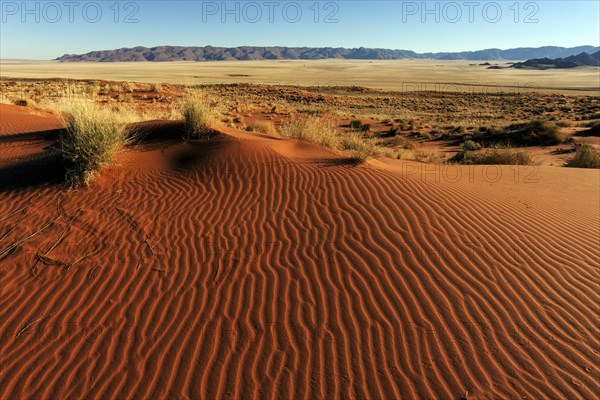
496, 157
429, 157
4, 99
199, 117
265, 127
360, 149
24, 102
469, 145
315, 130
586, 156
533, 133
92, 137
594, 128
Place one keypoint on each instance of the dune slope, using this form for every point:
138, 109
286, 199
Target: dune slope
248, 267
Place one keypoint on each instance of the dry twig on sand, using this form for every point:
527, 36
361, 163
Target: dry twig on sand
16, 244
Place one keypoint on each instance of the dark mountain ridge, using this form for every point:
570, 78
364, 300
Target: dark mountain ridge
210, 53
580, 60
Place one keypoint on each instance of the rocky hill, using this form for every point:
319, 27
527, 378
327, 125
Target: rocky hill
210, 53
580, 60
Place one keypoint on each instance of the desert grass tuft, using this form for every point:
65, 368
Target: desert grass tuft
496, 157
314, 130
469, 145
265, 127
586, 156
199, 117
361, 150
91, 139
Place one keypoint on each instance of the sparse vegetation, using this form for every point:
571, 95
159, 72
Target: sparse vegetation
312, 129
429, 157
586, 156
594, 128
91, 139
399, 142
496, 156
24, 102
533, 133
360, 149
198, 116
265, 127
469, 145
359, 126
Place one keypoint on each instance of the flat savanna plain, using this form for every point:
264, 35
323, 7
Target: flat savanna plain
248, 264
396, 75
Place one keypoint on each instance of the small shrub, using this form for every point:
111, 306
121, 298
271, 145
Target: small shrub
403, 154
155, 87
91, 139
469, 145
24, 102
360, 149
429, 157
355, 124
359, 126
496, 157
402, 142
586, 156
536, 132
312, 129
265, 127
564, 124
124, 98
533, 133
198, 116
594, 128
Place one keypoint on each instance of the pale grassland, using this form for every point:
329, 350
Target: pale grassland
400, 75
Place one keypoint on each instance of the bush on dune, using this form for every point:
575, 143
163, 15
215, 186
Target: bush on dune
199, 117
91, 138
264, 127
586, 156
360, 149
496, 157
314, 130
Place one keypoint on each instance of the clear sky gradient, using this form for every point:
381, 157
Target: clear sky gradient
48, 29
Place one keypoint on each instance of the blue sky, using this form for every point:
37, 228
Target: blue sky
48, 29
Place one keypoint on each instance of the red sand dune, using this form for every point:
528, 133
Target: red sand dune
249, 267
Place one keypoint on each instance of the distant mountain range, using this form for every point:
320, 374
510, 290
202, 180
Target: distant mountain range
580, 60
210, 53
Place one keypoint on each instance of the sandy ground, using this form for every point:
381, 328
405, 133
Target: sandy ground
254, 267
399, 75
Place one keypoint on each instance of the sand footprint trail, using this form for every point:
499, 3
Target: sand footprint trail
261, 268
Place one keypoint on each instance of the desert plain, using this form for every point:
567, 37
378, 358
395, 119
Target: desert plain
435, 244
